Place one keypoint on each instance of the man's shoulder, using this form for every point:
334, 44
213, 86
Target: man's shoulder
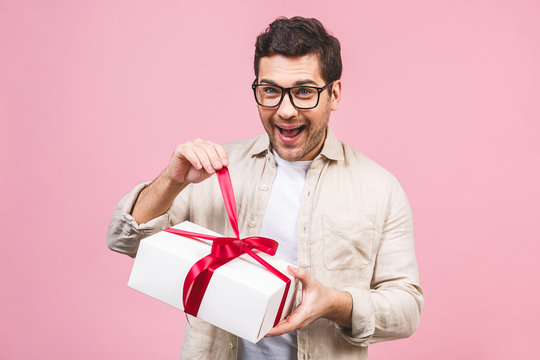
359, 160
352, 163
365, 169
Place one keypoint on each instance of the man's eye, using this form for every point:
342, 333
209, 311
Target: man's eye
305, 92
270, 90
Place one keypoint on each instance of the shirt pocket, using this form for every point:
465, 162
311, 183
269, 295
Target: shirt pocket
348, 240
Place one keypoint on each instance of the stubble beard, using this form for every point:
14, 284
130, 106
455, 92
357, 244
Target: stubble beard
314, 139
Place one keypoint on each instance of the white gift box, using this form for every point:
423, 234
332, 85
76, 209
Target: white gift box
243, 297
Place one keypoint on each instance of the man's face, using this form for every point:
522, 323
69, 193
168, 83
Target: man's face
296, 134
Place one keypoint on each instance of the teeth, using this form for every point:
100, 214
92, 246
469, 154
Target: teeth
290, 133
296, 128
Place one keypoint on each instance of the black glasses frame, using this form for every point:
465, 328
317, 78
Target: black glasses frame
288, 91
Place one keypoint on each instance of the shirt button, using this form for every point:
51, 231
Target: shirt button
231, 345
252, 223
264, 187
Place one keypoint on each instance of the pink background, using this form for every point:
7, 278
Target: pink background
95, 95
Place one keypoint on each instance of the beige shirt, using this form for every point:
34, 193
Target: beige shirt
355, 234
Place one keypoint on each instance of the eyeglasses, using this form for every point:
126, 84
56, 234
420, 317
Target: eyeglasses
302, 97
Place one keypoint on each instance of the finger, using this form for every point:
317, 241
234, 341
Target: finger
305, 277
296, 320
188, 153
286, 325
201, 153
221, 152
213, 155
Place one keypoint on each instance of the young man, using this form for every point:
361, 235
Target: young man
340, 217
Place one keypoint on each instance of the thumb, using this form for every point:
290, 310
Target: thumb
301, 274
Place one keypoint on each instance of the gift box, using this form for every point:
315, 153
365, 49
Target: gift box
242, 297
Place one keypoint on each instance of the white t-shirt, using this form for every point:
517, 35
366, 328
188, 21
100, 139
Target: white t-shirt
280, 223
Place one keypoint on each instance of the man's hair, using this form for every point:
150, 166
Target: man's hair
299, 36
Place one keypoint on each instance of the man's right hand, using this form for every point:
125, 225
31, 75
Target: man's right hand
195, 161
191, 162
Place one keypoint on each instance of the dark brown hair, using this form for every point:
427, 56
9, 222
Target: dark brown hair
299, 36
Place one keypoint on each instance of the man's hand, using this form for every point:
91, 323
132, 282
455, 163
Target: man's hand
191, 162
318, 301
195, 161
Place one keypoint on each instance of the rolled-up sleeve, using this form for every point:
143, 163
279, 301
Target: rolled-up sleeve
124, 233
391, 308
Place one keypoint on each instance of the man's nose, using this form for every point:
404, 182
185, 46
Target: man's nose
286, 109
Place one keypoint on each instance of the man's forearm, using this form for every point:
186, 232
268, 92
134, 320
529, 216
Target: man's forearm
340, 310
156, 198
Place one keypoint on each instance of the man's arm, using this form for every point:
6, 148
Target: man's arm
143, 211
390, 309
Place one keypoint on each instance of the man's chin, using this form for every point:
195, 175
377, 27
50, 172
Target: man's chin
288, 154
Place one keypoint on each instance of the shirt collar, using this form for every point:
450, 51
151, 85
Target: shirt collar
261, 145
332, 148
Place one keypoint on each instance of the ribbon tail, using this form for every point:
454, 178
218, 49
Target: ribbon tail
279, 274
282, 304
191, 235
197, 281
225, 185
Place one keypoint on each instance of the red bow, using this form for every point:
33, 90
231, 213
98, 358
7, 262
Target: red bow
225, 249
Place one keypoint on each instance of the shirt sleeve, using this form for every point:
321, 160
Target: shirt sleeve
391, 308
124, 233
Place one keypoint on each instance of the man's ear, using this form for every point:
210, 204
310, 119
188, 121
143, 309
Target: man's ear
336, 95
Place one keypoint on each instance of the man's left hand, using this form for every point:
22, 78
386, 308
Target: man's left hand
318, 301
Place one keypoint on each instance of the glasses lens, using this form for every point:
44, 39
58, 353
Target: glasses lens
305, 97
268, 95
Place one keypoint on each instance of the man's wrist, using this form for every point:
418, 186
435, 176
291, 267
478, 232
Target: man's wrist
156, 198
341, 305
171, 185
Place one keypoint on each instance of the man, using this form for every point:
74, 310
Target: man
343, 219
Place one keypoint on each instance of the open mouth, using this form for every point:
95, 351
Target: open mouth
292, 132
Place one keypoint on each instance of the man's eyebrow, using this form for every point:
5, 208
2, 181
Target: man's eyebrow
296, 83
269, 82
305, 82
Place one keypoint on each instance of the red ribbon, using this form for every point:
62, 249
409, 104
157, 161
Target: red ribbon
225, 249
